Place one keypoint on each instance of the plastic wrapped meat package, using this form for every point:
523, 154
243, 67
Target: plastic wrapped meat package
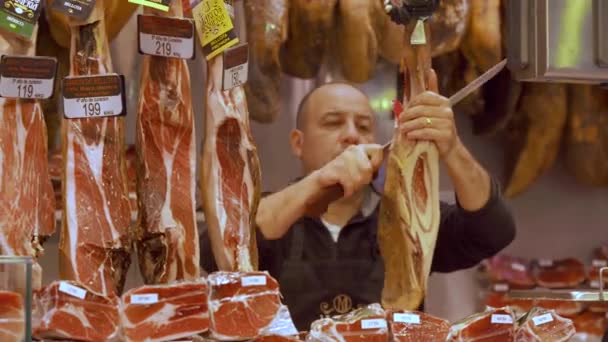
495, 325
412, 326
363, 324
541, 325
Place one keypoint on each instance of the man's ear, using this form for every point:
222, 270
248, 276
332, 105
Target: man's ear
296, 139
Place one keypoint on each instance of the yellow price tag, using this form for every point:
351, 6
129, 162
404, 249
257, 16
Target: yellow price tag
214, 27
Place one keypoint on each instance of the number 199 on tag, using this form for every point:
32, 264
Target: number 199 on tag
91, 109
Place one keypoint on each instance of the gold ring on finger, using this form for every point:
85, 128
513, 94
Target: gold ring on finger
429, 121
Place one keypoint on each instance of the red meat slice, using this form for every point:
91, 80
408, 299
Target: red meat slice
276, 338
541, 325
65, 310
12, 323
591, 323
165, 312
413, 326
511, 270
244, 305
493, 325
363, 324
556, 274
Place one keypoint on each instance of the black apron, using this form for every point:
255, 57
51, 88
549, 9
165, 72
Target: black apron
315, 289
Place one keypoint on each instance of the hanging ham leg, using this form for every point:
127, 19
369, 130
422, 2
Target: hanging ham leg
168, 243
27, 201
230, 174
94, 246
409, 210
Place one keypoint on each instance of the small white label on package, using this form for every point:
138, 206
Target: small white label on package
501, 319
235, 66
373, 323
149, 298
406, 318
518, 267
253, 281
166, 37
501, 287
542, 319
599, 263
545, 262
72, 290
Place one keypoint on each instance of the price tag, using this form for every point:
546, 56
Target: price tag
599, 263
166, 37
27, 77
214, 25
545, 262
406, 318
501, 319
149, 298
72, 290
20, 16
93, 96
253, 281
542, 319
236, 67
595, 284
518, 267
162, 5
373, 323
501, 287
79, 9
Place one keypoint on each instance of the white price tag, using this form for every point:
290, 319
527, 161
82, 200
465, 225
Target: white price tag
501, 287
542, 319
501, 319
599, 263
518, 267
93, 96
72, 290
373, 323
253, 281
595, 284
406, 318
27, 77
166, 37
149, 298
545, 262
236, 67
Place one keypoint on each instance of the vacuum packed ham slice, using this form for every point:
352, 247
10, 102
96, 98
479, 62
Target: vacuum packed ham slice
12, 318
541, 325
165, 312
245, 305
414, 326
27, 200
167, 245
559, 274
409, 210
95, 242
363, 324
514, 271
66, 310
230, 174
496, 325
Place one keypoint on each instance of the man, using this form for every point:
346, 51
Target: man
331, 264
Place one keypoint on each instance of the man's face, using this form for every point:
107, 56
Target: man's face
336, 116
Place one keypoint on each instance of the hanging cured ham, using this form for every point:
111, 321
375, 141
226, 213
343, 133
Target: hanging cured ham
27, 200
409, 211
266, 22
167, 244
95, 241
12, 317
230, 174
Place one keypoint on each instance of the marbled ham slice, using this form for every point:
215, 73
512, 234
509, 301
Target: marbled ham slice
95, 242
246, 305
409, 211
78, 315
414, 326
559, 274
27, 201
167, 245
12, 318
230, 174
514, 271
165, 312
541, 325
496, 325
363, 324
591, 325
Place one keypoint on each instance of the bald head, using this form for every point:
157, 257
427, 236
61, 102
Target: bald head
330, 118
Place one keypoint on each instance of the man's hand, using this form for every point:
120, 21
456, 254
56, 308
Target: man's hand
429, 116
352, 169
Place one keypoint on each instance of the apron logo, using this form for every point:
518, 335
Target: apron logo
341, 304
